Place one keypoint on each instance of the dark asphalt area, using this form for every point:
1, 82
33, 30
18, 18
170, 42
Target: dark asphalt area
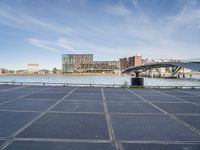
92, 118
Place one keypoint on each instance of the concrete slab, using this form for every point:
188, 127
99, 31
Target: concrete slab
84, 97
150, 128
4, 87
2, 100
11, 95
12, 121
32, 105
131, 107
79, 106
47, 95
122, 98
89, 90
177, 93
81, 123
161, 146
58, 90
27, 145
68, 126
191, 98
1, 142
116, 91
192, 120
179, 108
163, 98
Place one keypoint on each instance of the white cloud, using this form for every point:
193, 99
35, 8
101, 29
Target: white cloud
22, 19
42, 44
188, 16
61, 45
118, 9
66, 44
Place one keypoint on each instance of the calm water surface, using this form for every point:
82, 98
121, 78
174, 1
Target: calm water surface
103, 79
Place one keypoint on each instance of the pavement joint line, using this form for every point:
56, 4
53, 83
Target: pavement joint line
3, 138
158, 142
178, 98
121, 146
116, 101
135, 114
12, 136
108, 119
170, 115
65, 112
194, 94
188, 114
13, 88
86, 94
62, 140
40, 99
169, 102
189, 96
114, 113
14, 110
20, 97
83, 101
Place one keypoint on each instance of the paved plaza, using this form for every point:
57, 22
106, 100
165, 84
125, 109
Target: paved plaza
88, 118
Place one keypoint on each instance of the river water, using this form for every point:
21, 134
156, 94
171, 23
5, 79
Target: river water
100, 79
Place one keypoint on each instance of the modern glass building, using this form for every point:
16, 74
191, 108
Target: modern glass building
72, 62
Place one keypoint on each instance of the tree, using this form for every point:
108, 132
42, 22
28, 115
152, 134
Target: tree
54, 70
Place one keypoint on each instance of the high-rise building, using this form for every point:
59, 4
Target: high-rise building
137, 60
130, 62
72, 62
123, 63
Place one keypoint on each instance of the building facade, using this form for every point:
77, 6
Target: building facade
75, 63
72, 62
130, 62
33, 68
123, 63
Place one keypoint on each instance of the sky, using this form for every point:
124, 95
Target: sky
40, 31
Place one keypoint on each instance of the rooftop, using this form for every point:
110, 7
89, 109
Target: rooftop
60, 118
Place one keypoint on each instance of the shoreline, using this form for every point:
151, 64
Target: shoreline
73, 74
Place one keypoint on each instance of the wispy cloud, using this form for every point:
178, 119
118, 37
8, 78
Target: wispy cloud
61, 45
43, 44
118, 9
66, 44
22, 19
189, 16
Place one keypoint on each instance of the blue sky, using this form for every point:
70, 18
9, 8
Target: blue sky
39, 31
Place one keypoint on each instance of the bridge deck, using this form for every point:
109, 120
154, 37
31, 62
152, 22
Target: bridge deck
49, 118
189, 65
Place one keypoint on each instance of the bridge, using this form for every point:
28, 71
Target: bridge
176, 66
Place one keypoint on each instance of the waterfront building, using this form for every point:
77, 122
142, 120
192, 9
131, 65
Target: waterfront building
123, 63
72, 62
137, 60
33, 68
44, 71
130, 62
101, 66
84, 63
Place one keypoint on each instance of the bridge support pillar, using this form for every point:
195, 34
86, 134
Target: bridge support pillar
137, 80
